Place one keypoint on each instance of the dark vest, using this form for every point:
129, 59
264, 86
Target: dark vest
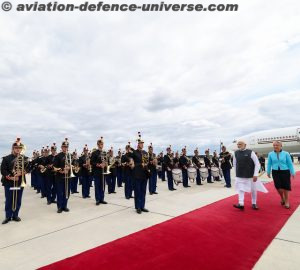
244, 164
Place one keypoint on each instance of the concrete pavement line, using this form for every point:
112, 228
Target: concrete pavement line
133, 207
290, 241
162, 214
64, 228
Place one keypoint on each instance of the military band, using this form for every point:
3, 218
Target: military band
55, 175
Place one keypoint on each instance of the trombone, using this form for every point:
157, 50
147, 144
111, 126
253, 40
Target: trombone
18, 170
68, 166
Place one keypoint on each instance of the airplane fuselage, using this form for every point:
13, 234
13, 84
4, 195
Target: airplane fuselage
262, 141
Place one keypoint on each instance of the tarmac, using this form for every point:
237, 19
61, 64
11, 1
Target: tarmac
44, 236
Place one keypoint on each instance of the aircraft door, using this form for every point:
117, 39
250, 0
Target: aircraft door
252, 140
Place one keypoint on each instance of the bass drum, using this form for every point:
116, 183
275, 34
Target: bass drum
192, 173
203, 173
215, 172
177, 176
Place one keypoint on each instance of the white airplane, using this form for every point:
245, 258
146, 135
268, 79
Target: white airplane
262, 141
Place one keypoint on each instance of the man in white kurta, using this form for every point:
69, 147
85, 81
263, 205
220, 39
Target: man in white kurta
247, 167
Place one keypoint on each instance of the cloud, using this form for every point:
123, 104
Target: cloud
190, 79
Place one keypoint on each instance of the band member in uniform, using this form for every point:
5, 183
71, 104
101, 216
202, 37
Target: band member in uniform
169, 165
119, 168
176, 160
225, 157
153, 170
50, 176
183, 164
163, 170
13, 170
34, 165
126, 173
85, 172
197, 163
41, 172
62, 166
76, 169
99, 162
140, 174
208, 164
215, 162
160, 160
112, 177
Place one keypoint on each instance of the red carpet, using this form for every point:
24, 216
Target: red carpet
216, 236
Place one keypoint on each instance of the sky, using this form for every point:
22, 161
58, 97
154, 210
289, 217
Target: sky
181, 79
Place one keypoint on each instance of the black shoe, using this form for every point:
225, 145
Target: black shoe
16, 219
144, 210
54, 201
38, 192
66, 209
59, 210
239, 206
6, 220
155, 192
139, 211
88, 196
76, 191
103, 202
254, 207
127, 198
48, 202
151, 193
42, 197
174, 189
188, 186
131, 197
97, 203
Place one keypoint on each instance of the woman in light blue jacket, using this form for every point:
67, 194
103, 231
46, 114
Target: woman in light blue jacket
281, 164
